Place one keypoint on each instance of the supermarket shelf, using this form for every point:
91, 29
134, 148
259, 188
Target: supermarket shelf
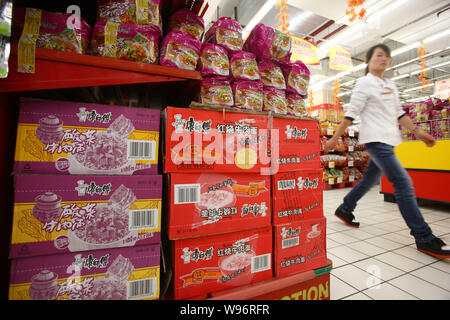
270, 287
56, 70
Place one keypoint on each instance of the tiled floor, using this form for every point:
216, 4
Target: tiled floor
379, 260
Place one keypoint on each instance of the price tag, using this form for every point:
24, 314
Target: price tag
350, 163
331, 181
331, 164
351, 178
330, 131
340, 179
351, 148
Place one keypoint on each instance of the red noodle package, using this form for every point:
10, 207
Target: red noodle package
126, 41
274, 100
186, 21
216, 91
244, 67
248, 95
295, 105
180, 50
271, 74
226, 32
214, 61
297, 77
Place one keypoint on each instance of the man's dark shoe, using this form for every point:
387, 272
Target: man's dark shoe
347, 218
436, 247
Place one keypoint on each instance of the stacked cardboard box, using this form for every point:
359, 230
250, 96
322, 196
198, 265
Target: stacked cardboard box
87, 204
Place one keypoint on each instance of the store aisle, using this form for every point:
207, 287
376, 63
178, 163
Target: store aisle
379, 260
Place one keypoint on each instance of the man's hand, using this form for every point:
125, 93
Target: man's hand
330, 144
426, 138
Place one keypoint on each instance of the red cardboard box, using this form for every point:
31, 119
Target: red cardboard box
199, 140
299, 246
297, 195
211, 203
299, 145
213, 263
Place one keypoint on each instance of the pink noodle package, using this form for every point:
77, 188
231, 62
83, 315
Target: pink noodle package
216, 91
54, 32
271, 74
297, 77
180, 50
295, 105
269, 43
186, 21
214, 61
274, 100
226, 32
133, 42
248, 95
243, 66
108, 274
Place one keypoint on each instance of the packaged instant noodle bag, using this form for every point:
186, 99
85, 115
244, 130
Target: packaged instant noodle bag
214, 61
266, 42
54, 32
297, 77
271, 74
126, 41
180, 50
295, 105
131, 11
243, 66
186, 21
226, 32
216, 91
274, 100
248, 95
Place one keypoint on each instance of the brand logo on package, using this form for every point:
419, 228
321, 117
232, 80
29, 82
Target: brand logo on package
289, 232
92, 188
300, 183
93, 116
295, 133
90, 261
196, 255
191, 125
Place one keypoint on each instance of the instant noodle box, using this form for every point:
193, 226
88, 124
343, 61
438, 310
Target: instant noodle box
299, 144
199, 140
299, 246
211, 203
61, 214
55, 137
208, 264
297, 195
112, 274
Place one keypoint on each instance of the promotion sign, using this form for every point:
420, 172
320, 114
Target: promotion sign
340, 59
305, 51
442, 89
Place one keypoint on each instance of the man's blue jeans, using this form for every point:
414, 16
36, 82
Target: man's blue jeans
383, 160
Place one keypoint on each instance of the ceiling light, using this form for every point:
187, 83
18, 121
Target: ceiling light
404, 49
417, 88
400, 77
258, 17
437, 36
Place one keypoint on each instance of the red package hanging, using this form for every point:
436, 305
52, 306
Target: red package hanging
226, 32
187, 21
180, 50
214, 61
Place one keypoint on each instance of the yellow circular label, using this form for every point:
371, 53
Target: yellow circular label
246, 158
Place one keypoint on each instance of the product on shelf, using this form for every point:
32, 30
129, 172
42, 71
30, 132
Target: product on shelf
146, 12
199, 140
271, 74
297, 77
59, 214
54, 31
188, 22
110, 274
180, 50
243, 66
214, 61
131, 42
274, 100
299, 246
299, 146
331, 160
360, 158
297, 195
6, 8
295, 105
268, 43
209, 264
333, 175
226, 32
212, 203
215, 91
56, 137
355, 173
248, 95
